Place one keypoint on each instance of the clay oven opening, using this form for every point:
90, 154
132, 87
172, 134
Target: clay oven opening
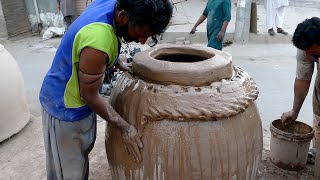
185, 55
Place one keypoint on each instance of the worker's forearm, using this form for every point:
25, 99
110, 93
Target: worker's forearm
224, 26
90, 94
200, 20
301, 88
99, 105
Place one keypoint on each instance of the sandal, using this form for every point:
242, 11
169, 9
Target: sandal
281, 31
271, 32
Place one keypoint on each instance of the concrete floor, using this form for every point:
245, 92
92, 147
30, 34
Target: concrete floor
271, 66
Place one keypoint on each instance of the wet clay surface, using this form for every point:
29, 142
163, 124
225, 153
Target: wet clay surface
290, 166
149, 101
223, 149
293, 128
211, 131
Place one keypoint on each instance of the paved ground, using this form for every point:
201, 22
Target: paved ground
272, 67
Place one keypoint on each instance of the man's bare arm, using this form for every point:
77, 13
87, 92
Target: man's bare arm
92, 66
223, 30
200, 20
91, 74
301, 88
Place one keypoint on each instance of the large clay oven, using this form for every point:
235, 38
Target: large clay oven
13, 105
195, 113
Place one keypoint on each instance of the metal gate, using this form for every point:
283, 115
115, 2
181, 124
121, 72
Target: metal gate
16, 17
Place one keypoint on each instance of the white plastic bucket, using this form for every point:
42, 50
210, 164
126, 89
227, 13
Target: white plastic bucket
289, 145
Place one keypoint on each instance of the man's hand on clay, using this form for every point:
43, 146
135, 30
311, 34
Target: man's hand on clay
193, 30
288, 117
132, 142
220, 35
123, 65
126, 67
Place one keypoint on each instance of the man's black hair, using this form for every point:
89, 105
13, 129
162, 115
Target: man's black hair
154, 13
307, 33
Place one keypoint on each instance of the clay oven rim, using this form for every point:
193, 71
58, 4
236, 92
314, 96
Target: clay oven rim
216, 65
297, 137
207, 53
157, 54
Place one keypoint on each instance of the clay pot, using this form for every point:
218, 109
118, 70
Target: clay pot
195, 113
13, 105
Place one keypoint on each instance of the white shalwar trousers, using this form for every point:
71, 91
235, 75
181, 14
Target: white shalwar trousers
275, 17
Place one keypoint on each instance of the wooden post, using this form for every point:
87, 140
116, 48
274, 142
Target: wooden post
253, 19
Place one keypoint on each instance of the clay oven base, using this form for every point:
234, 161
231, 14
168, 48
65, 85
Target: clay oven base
214, 130
224, 149
197, 120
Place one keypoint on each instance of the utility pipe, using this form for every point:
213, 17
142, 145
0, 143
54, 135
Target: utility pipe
242, 21
37, 10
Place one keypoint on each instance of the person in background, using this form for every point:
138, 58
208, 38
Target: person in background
218, 15
275, 11
68, 10
307, 39
69, 94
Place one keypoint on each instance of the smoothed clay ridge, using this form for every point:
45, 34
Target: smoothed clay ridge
220, 99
